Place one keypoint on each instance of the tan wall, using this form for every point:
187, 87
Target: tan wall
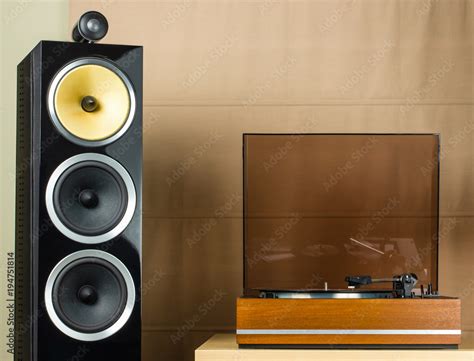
23, 23
216, 69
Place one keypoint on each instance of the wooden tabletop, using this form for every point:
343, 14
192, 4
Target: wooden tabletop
223, 347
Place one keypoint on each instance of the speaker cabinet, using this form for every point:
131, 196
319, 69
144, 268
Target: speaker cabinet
78, 203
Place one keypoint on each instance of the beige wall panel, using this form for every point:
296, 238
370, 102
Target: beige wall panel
436, 49
162, 272
213, 271
456, 254
191, 46
455, 124
342, 51
197, 171
199, 261
193, 155
307, 51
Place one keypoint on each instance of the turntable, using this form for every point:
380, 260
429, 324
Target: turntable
341, 243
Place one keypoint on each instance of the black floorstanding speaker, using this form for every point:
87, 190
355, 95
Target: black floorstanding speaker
78, 203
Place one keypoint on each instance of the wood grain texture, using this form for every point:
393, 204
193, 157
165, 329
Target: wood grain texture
340, 314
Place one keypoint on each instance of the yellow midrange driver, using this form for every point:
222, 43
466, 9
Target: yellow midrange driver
91, 102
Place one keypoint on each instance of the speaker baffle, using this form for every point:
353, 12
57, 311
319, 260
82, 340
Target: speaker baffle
90, 198
90, 295
91, 102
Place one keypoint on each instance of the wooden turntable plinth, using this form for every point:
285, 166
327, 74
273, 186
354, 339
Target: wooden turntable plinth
410, 322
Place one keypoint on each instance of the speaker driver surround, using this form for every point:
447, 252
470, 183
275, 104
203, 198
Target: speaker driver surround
89, 295
90, 198
91, 102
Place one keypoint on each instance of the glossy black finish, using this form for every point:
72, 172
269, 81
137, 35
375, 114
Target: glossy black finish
40, 246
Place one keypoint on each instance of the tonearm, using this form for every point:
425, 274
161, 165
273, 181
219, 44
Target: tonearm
402, 285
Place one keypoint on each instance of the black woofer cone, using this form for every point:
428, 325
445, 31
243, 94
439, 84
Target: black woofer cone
90, 198
89, 295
